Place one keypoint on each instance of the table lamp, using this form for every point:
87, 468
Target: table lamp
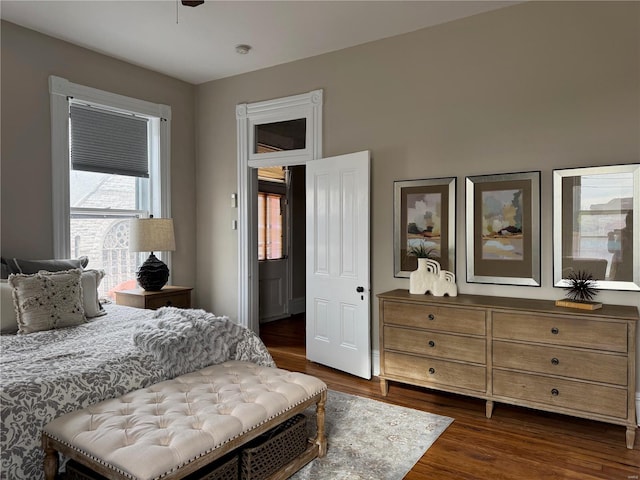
152, 235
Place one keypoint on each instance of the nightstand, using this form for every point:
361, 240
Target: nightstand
169, 296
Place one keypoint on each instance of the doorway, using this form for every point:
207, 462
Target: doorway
281, 243
337, 250
251, 119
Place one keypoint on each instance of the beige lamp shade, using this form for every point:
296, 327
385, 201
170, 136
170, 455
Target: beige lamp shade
151, 235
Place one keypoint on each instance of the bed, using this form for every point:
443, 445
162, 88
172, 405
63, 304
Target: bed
48, 373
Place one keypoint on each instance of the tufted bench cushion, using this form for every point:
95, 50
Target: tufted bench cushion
172, 428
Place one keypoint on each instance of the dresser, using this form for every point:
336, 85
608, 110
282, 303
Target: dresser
516, 351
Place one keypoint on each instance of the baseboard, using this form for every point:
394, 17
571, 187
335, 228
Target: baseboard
297, 305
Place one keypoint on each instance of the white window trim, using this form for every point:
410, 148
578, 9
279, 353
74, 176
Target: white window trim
307, 105
60, 89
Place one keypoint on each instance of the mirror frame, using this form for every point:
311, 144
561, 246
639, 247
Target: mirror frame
560, 203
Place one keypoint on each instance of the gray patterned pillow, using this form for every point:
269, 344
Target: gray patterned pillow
28, 267
47, 300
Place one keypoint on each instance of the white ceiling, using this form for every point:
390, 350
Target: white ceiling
198, 44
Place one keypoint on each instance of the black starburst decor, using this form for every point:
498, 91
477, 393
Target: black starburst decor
582, 286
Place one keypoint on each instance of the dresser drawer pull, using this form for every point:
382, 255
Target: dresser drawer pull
432, 370
431, 316
555, 361
432, 343
555, 392
555, 331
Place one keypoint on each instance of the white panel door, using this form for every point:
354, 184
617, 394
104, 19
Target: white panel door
338, 309
273, 286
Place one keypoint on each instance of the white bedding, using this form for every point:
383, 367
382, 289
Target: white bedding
46, 374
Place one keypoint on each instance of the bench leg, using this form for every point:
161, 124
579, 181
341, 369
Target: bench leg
50, 460
321, 439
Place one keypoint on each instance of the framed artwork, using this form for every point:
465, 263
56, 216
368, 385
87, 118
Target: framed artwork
503, 229
424, 219
595, 215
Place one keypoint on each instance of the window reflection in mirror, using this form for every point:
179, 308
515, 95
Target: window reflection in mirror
280, 136
595, 231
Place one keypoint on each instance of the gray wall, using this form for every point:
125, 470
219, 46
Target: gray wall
535, 86
28, 58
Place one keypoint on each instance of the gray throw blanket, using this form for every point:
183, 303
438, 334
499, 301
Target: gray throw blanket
186, 340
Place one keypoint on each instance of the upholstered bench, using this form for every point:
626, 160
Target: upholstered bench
176, 427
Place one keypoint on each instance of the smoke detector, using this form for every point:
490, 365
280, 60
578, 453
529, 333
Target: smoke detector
243, 49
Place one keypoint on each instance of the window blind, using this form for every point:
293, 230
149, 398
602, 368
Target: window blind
108, 142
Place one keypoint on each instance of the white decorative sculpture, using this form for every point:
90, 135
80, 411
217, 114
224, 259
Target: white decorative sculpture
429, 278
421, 280
445, 285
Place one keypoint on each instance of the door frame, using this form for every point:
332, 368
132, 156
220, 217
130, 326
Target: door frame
248, 115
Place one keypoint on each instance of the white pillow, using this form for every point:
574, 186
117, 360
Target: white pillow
8, 317
90, 282
48, 300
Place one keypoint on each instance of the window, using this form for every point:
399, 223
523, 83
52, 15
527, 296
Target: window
270, 231
108, 186
280, 136
272, 203
110, 157
118, 262
604, 205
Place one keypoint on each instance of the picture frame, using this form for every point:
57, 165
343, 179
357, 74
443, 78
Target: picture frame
595, 212
424, 214
503, 228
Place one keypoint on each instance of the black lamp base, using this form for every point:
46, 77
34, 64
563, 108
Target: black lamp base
153, 274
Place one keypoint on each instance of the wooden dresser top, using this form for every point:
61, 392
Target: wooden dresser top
623, 312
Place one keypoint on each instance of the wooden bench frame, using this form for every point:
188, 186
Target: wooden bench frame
317, 448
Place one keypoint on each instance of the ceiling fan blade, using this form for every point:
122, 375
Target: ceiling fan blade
192, 3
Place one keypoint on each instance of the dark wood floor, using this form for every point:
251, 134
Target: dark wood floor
517, 443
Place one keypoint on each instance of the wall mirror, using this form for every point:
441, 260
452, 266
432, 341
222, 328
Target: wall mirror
596, 220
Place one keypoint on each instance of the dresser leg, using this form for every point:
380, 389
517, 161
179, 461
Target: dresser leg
631, 436
489, 408
384, 387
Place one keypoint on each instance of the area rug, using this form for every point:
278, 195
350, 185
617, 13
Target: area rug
368, 439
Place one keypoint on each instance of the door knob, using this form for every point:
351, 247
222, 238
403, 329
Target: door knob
360, 289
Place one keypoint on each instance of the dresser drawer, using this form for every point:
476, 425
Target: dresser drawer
569, 394
440, 372
178, 300
435, 317
574, 332
440, 345
566, 362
